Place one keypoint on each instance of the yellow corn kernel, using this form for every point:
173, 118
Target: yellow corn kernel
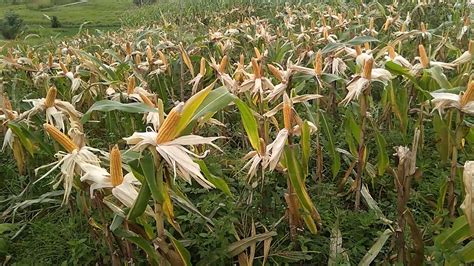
325, 33
371, 24
256, 68
287, 111
138, 59
425, 62
116, 173
128, 48
468, 95
318, 63
168, 128
257, 53
163, 58
471, 47
63, 67
367, 46
223, 64
61, 138
275, 72
358, 49
241, 59
369, 64
50, 97
202, 67
423, 27
50, 60
131, 85
391, 52
149, 55
146, 100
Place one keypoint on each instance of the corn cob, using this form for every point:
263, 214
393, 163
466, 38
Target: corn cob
116, 173
391, 52
468, 95
131, 85
61, 138
50, 97
425, 62
369, 64
287, 111
256, 68
275, 72
168, 128
318, 63
223, 64
202, 67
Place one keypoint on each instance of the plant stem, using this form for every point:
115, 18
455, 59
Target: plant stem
361, 159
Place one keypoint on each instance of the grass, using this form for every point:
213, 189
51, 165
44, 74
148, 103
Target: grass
100, 14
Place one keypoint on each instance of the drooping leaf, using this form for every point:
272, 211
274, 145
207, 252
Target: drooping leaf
361, 40
108, 105
179, 247
238, 247
215, 180
440, 77
375, 249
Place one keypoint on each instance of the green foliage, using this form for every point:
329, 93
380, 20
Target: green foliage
11, 25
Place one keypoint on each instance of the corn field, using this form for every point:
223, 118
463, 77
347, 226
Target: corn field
251, 134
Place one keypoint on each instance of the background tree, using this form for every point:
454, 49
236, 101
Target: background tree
11, 25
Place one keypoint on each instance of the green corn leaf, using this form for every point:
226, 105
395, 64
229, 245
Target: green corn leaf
182, 251
152, 255
459, 232
376, 248
305, 146
108, 105
215, 101
249, 122
438, 75
331, 147
296, 177
190, 107
216, 181
361, 40
382, 155
141, 202
151, 177
240, 246
24, 136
